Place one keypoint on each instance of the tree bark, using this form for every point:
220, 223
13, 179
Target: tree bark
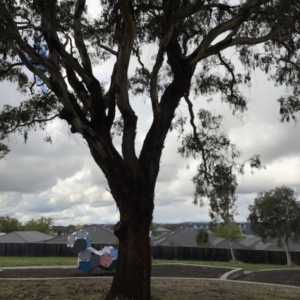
231, 251
288, 254
230, 240
133, 272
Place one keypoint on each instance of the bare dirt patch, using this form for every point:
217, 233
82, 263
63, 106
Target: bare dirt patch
157, 271
287, 277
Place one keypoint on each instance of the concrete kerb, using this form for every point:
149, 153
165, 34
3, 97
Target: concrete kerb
39, 267
233, 274
156, 278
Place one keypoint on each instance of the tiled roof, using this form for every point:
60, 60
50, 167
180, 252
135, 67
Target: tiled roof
187, 237
99, 235
25, 237
250, 241
162, 229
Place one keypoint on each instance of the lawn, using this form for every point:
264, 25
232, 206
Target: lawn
162, 289
12, 261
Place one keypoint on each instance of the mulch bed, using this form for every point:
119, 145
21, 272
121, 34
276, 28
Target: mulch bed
157, 271
288, 277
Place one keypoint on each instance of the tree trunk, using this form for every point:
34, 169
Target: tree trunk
133, 272
231, 251
288, 254
230, 240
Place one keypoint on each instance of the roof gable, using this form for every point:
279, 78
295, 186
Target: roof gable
24, 237
99, 235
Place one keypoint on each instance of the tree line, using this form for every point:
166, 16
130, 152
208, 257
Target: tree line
274, 216
43, 224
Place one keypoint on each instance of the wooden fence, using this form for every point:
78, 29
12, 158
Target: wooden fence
158, 252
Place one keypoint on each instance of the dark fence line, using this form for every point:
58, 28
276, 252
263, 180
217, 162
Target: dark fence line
158, 252
41, 249
219, 254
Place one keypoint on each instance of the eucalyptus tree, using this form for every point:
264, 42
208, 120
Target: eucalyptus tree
275, 214
222, 200
9, 224
202, 238
61, 45
42, 224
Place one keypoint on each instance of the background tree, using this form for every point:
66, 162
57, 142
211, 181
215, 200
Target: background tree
202, 238
230, 231
222, 200
60, 44
43, 224
153, 228
78, 226
275, 214
222, 230
8, 224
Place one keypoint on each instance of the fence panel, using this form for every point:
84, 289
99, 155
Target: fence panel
158, 252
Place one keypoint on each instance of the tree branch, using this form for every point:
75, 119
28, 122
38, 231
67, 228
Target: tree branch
226, 43
30, 123
111, 51
3, 71
195, 136
79, 42
124, 53
247, 9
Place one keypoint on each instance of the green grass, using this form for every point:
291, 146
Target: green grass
162, 289
12, 261
15, 261
247, 267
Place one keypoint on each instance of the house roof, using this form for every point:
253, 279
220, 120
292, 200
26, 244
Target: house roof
25, 237
262, 246
99, 235
273, 246
250, 241
183, 237
187, 237
162, 229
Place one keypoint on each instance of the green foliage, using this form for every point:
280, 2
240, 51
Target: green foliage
202, 238
275, 214
228, 231
78, 226
43, 224
153, 227
8, 224
172, 243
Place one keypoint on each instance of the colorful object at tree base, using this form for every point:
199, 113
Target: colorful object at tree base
89, 258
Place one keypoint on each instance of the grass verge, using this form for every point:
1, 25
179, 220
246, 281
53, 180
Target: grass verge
162, 289
14, 261
245, 266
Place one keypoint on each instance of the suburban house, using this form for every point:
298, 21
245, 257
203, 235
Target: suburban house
99, 235
187, 237
245, 228
25, 237
162, 230
254, 242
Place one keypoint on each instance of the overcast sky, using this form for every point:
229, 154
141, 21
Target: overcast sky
62, 180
